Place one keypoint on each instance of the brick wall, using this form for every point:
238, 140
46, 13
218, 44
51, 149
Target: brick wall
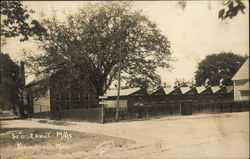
71, 94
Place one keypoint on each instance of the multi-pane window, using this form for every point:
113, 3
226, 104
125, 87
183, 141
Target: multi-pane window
67, 107
87, 96
57, 107
67, 96
77, 97
57, 97
244, 93
78, 84
67, 85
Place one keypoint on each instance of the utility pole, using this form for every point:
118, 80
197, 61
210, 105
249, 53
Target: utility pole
118, 88
21, 100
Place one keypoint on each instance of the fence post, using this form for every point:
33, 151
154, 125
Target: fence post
171, 110
239, 106
221, 108
212, 106
59, 113
180, 109
156, 110
231, 107
103, 114
122, 114
165, 109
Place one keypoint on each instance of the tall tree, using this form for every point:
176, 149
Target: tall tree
146, 80
15, 21
9, 82
90, 41
218, 66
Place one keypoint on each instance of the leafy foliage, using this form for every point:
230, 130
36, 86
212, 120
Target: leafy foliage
89, 43
9, 82
147, 80
218, 66
232, 9
15, 21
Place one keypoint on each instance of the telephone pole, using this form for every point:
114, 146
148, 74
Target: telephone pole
21, 100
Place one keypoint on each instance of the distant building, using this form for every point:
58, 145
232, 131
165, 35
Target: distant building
125, 97
68, 93
36, 98
241, 83
123, 92
60, 92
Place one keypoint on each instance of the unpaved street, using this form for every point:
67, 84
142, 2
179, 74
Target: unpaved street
198, 136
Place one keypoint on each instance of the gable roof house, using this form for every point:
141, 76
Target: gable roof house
37, 96
126, 92
127, 97
69, 92
241, 83
59, 92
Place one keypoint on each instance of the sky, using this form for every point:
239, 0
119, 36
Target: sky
194, 32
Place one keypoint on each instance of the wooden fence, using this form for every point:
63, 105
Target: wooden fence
182, 108
41, 115
100, 115
90, 115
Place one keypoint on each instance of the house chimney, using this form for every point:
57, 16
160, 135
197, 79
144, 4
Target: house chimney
176, 85
206, 83
22, 74
221, 82
164, 84
190, 85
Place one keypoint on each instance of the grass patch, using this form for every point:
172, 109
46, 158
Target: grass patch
69, 141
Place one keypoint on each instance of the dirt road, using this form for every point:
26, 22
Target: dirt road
199, 136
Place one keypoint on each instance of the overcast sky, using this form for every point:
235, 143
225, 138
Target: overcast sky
194, 32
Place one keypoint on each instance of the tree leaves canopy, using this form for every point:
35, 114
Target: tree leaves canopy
218, 66
232, 9
9, 82
90, 41
15, 21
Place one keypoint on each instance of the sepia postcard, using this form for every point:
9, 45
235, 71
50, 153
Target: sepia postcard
124, 79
